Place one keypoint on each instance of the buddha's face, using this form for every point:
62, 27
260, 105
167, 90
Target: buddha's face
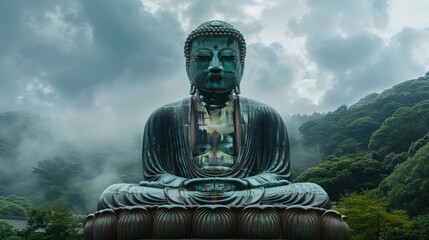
215, 64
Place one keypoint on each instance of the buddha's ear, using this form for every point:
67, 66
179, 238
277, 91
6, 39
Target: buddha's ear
241, 73
188, 72
237, 89
192, 89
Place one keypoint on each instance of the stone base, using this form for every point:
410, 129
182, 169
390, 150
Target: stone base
216, 221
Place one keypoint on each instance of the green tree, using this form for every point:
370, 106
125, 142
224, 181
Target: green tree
348, 146
15, 206
59, 179
369, 218
11, 209
339, 175
326, 132
399, 131
393, 159
420, 228
408, 185
361, 129
57, 221
14, 238
6, 230
415, 146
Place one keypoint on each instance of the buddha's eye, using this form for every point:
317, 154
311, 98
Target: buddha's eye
203, 58
228, 58
228, 55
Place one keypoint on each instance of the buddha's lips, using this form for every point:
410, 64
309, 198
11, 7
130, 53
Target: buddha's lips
216, 76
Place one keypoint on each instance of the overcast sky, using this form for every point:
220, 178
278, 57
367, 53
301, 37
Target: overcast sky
122, 59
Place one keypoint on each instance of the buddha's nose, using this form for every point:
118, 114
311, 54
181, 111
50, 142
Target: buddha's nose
215, 66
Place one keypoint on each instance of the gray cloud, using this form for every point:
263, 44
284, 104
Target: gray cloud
93, 54
75, 48
340, 54
200, 11
388, 66
352, 58
270, 67
328, 17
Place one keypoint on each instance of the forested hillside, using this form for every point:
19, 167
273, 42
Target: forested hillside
374, 152
349, 129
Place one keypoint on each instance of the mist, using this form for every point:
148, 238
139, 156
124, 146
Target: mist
101, 145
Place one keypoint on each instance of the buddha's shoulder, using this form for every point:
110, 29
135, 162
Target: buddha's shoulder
171, 109
176, 104
256, 105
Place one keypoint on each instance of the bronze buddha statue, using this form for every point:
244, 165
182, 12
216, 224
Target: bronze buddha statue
215, 147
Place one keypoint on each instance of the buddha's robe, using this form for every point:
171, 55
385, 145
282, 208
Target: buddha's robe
261, 162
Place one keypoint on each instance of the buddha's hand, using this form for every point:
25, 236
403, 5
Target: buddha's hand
215, 184
159, 184
152, 184
275, 183
231, 184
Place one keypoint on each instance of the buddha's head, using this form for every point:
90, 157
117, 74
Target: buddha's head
215, 53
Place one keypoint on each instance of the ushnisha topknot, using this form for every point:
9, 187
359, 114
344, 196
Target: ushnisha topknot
215, 28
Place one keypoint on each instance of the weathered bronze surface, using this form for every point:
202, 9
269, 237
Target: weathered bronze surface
208, 156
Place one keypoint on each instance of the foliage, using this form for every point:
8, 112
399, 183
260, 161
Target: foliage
408, 185
15, 206
56, 179
369, 218
21, 201
6, 230
319, 132
11, 209
392, 159
14, 238
344, 174
57, 222
360, 120
397, 132
415, 146
420, 227
349, 145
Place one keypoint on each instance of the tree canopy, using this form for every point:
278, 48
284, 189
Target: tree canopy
420, 229
59, 179
405, 126
360, 120
369, 218
408, 185
344, 174
15, 206
57, 222
6, 230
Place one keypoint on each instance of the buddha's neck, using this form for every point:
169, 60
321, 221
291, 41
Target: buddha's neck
213, 101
